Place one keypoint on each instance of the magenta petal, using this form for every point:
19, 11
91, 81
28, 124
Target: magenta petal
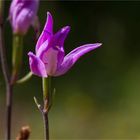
47, 31
60, 36
23, 21
51, 52
43, 48
52, 58
22, 14
73, 56
36, 65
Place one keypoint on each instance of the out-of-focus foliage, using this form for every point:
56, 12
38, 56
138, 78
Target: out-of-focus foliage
99, 98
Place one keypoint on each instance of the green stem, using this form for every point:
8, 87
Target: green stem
1, 10
25, 78
16, 56
46, 85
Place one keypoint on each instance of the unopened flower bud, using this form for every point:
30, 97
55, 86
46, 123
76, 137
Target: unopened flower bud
22, 14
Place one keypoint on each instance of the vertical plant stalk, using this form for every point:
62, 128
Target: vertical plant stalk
46, 125
6, 75
16, 56
46, 85
16, 64
2, 49
9, 96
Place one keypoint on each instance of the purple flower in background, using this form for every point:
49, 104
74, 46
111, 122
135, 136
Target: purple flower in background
23, 14
50, 59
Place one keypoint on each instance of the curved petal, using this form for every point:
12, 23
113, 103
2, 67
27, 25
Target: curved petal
43, 48
37, 66
24, 20
60, 36
47, 31
14, 12
73, 56
51, 51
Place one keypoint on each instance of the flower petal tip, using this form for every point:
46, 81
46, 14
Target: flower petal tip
65, 29
97, 45
49, 14
30, 54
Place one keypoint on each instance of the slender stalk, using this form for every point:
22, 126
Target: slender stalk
47, 97
46, 85
16, 56
46, 125
2, 49
9, 87
1, 11
9, 96
25, 78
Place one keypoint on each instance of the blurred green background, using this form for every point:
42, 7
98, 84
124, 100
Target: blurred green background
99, 98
